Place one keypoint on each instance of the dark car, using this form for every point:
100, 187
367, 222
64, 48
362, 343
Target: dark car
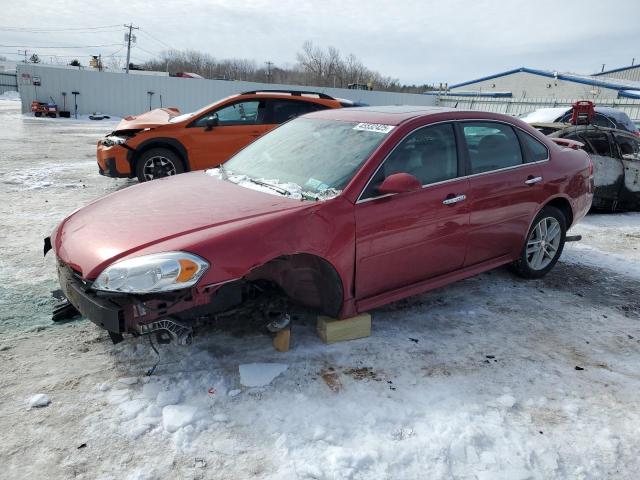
605, 117
343, 210
616, 159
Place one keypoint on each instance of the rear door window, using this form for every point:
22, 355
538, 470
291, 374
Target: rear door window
491, 146
280, 111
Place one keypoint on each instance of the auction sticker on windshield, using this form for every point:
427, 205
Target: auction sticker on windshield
374, 127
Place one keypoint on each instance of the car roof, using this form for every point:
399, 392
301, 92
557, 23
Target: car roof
387, 115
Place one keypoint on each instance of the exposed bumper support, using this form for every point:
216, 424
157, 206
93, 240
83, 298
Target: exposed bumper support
180, 334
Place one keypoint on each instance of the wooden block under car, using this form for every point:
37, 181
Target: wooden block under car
332, 330
281, 340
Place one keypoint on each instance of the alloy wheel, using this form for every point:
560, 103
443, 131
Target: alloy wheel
543, 243
158, 167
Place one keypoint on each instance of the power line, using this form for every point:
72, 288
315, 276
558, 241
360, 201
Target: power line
113, 55
62, 32
144, 32
63, 47
49, 30
147, 51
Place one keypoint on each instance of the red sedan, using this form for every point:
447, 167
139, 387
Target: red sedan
342, 210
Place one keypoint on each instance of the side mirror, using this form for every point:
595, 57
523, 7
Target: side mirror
399, 183
211, 122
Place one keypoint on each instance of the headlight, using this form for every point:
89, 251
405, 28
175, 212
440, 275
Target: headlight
114, 140
159, 272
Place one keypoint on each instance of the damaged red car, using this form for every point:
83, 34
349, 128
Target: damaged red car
341, 210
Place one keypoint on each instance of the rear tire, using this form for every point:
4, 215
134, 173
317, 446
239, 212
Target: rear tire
158, 163
543, 245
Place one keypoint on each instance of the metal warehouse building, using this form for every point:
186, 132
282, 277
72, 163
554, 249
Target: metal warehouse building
631, 73
525, 89
532, 83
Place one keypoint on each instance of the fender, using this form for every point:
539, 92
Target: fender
133, 154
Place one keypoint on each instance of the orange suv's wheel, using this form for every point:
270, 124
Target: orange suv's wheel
157, 163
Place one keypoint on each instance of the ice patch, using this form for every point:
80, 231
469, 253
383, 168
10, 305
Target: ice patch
132, 408
260, 374
168, 398
175, 417
151, 390
39, 400
506, 401
234, 393
128, 380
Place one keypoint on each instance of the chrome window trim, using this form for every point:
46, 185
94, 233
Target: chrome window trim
364, 200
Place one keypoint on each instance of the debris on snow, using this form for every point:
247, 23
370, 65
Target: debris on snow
260, 374
39, 400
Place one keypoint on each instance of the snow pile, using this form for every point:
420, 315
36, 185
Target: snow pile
10, 96
175, 417
39, 400
260, 374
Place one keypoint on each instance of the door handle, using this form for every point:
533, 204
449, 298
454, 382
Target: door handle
453, 200
533, 180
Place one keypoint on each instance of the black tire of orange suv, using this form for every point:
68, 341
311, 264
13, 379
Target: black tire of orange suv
158, 163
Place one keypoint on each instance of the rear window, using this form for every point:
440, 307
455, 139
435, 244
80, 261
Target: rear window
280, 111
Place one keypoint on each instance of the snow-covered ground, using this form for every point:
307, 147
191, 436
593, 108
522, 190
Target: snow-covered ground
490, 378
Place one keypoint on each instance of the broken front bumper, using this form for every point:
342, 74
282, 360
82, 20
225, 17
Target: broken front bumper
113, 161
101, 311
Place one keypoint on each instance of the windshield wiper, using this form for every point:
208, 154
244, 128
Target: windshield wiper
309, 196
281, 190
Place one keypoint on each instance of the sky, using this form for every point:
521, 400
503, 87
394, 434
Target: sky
419, 41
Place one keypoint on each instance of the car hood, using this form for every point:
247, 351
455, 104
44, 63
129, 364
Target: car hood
152, 118
140, 216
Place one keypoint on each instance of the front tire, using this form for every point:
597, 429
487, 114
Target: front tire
543, 245
158, 163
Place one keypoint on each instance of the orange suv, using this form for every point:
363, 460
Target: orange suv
163, 142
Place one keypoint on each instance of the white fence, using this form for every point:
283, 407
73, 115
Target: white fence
120, 94
516, 106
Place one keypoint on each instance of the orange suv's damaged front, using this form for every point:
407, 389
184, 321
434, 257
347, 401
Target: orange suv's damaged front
163, 142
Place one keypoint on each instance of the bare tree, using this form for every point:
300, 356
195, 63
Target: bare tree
315, 66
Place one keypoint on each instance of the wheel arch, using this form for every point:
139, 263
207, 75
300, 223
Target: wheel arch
306, 278
160, 142
562, 204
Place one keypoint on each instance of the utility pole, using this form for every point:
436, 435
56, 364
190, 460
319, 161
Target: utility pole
269, 64
25, 55
128, 38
